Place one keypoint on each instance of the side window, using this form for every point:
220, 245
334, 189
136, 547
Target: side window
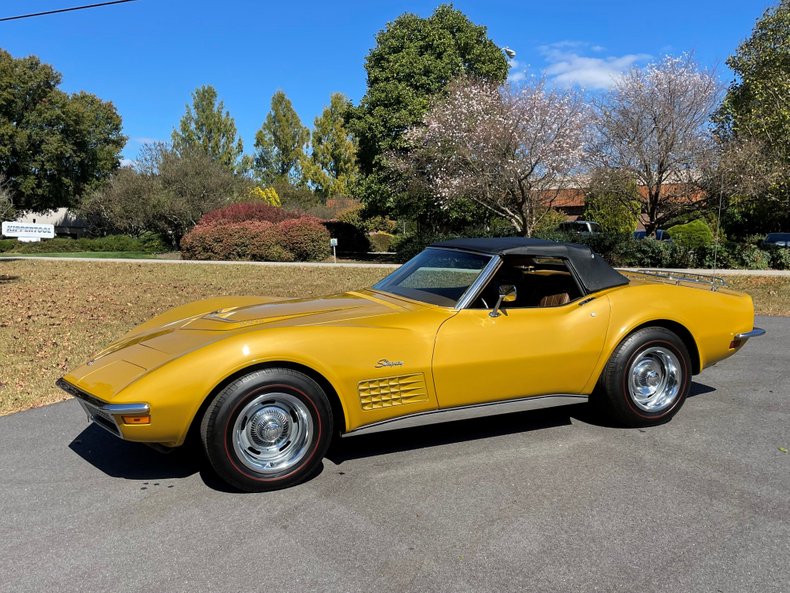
539, 282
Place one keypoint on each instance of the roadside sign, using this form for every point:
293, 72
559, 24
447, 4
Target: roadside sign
333, 242
26, 231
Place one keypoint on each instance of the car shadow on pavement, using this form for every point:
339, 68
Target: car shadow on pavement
136, 461
132, 461
457, 431
433, 435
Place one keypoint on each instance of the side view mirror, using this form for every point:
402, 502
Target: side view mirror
507, 294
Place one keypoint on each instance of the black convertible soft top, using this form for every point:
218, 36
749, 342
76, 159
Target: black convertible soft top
592, 271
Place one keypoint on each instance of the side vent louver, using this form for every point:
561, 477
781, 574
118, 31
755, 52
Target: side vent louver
392, 391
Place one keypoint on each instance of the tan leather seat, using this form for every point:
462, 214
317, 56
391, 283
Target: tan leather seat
555, 300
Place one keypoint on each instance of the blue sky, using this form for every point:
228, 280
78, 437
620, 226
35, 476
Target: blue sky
147, 56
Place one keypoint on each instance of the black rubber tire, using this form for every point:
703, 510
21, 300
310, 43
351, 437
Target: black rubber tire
217, 428
615, 381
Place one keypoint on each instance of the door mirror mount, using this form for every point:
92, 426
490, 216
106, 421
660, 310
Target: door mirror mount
507, 294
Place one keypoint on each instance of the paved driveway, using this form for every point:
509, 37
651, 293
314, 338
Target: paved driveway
552, 500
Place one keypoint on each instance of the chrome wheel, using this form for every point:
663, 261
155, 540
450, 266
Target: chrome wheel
272, 433
655, 379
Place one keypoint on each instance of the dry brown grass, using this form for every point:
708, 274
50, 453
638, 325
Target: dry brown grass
771, 294
54, 315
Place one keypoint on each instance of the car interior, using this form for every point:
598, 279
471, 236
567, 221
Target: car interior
539, 282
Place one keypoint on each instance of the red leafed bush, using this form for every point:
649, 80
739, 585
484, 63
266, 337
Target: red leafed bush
246, 240
306, 238
244, 211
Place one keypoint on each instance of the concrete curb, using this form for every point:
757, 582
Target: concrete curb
201, 262
704, 272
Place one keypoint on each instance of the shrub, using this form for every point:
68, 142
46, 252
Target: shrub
267, 195
244, 211
751, 257
306, 238
407, 246
7, 244
381, 241
779, 257
692, 235
246, 240
148, 243
350, 238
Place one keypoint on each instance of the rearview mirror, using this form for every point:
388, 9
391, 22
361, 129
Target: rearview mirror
507, 294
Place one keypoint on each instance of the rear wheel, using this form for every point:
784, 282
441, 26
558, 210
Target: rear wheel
648, 377
267, 430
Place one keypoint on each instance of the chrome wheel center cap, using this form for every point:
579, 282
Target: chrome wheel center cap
268, 426
652, 378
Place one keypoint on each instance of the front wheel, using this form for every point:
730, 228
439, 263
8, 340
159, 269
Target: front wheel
267, 430
648, 377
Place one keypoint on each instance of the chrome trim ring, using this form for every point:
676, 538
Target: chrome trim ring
654, 379
272, 433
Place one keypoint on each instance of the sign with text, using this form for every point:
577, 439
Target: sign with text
29, 230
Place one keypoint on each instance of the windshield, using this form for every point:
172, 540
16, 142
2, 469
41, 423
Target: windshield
436, 276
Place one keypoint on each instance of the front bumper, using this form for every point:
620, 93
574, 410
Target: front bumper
109, 416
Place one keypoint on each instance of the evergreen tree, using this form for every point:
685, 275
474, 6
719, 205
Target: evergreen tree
332, 166
280, 143
206, 126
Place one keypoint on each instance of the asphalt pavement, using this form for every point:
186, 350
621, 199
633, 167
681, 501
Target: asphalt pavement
551, 500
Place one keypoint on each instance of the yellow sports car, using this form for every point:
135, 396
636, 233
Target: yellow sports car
267, 383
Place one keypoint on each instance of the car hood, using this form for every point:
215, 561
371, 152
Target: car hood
187, 328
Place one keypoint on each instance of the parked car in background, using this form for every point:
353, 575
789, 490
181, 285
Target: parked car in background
580, 227
661, 235
777, 239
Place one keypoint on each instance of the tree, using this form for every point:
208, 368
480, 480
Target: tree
54, 147
413, 61
7, 210
332, 166
207, 127
167, 193
280, 143
652, 126
612, 200
510, 150
753, 123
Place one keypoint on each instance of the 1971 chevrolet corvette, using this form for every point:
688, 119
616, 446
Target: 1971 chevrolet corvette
470, 322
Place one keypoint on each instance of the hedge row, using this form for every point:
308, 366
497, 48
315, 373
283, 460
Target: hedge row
147, 243
293, 239
627, 252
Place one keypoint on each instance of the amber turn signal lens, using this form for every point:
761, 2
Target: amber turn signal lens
136, 419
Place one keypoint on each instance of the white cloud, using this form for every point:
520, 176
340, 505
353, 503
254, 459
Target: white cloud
516, 72
567, 66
